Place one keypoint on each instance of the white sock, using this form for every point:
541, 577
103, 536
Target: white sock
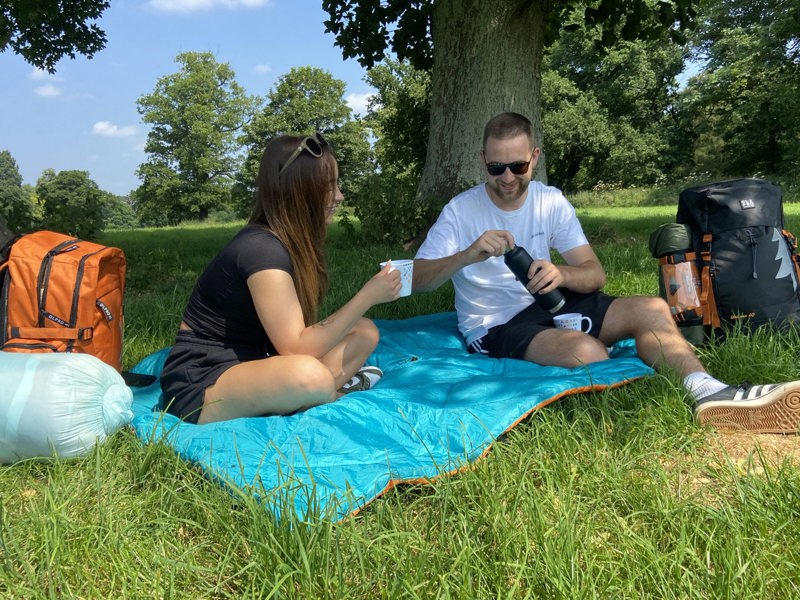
701, 384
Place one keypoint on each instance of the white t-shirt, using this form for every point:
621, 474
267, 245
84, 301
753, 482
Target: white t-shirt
487, 293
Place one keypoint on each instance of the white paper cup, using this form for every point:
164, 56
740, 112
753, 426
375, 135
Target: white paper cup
572, 321
406, 268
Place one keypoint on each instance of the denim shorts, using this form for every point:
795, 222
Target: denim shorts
194, 364
511, 339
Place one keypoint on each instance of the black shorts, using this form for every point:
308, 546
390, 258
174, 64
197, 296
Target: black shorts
511, 339
194, 364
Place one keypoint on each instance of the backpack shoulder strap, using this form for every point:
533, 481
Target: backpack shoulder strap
710, 314
5, 251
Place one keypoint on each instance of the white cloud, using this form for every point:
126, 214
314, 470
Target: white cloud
358, 102
184, 6
262, 69
48, 91
188, 6
245, 3
108, 129
42, 75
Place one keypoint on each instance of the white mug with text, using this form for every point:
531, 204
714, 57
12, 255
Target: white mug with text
573, 321
406, 268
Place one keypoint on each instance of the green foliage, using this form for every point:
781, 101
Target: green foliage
628, 20
386, 200
192, 146
606, 111
155, 200
118, 212
354, 155
72, 203
399, 115
366, 30
738, 115
387, 207
578, 133
44, 31
306, 100
16, 205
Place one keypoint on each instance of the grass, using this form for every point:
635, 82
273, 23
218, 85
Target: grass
612, 494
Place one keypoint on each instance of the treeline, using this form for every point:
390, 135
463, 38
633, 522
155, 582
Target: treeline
719, 104
67, 201
621, 117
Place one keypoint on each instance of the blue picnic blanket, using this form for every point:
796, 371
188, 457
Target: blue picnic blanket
436, 410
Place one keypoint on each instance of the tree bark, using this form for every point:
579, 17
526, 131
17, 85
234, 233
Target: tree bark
478, 73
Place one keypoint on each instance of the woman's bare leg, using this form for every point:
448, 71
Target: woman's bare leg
282, 385
278, 385
349, 355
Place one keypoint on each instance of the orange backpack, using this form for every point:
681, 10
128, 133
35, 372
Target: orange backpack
61, 294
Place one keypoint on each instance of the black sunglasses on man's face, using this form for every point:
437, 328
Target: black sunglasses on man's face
517, 168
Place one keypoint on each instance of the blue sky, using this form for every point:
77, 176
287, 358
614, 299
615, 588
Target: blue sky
84, 116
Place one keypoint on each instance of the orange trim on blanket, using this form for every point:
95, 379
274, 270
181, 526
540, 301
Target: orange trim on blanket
429, 480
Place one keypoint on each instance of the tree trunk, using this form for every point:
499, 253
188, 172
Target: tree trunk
478, 73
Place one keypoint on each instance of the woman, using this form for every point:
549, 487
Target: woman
249, 343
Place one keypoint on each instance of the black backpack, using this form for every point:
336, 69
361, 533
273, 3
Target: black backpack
728, 259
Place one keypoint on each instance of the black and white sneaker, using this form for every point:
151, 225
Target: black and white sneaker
773, 408
365, 379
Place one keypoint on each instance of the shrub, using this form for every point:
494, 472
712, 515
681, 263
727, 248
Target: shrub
387, 208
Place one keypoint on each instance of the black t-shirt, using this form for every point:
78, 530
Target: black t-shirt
221, 307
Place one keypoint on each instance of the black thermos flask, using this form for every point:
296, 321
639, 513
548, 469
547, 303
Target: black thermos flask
519, 261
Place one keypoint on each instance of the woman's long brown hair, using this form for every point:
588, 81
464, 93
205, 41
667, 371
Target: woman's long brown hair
293, 205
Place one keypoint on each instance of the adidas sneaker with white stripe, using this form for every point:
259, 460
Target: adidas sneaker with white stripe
773, 408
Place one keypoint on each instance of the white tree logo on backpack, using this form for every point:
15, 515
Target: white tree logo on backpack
786, 268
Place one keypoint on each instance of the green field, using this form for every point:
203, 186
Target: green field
614, 494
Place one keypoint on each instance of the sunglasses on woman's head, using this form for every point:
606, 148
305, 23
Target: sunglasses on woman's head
312, 144
517, 168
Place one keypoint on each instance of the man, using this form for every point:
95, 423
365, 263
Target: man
500, 318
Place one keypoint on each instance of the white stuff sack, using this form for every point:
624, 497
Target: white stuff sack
59, 404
